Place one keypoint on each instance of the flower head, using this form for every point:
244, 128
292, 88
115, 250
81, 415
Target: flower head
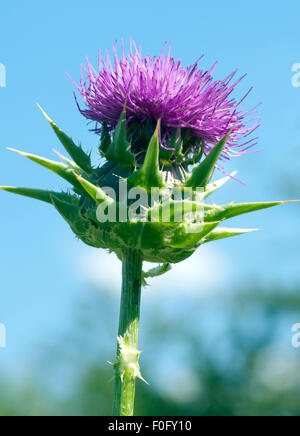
142, 198
156, 88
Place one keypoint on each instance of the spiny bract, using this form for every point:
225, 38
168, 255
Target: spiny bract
162, 127
159, 241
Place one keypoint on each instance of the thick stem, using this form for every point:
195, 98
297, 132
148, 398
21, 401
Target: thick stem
127, 368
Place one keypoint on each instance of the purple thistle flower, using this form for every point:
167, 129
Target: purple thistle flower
161, 88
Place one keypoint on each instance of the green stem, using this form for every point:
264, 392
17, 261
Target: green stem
127, 367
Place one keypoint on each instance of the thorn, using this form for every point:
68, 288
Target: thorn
58, 153
289, 201
61, 156
17, 151
119, 177
44, 113
156, 132
142, 378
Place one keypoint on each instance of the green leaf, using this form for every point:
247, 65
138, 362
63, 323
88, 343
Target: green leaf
190, 235
156, 272
149, 175
40, 194
69, 210
68, 161
179, 208
105, 139
76, 152
224, 232
37, 194
95, 192
57, 167
202, 174
231, 210
119, 150
174, 146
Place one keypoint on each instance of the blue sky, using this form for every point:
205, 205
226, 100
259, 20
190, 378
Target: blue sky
39, 43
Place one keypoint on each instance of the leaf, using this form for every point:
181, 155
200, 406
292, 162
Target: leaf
105, 139
95, 192
202, 174
57, 167
149, 175
178, 209
71, 213
231, 210
156, 272
76, 152
174, 145
38, 194
224, 232
190, 235
68, 210
71, 163
119, 150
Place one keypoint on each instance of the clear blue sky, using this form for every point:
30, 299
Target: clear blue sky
41, 41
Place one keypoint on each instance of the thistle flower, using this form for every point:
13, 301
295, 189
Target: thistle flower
160, 88
197, 119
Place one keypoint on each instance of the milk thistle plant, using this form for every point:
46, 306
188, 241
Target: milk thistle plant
163, 130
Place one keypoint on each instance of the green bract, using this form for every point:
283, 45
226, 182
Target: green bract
159, 240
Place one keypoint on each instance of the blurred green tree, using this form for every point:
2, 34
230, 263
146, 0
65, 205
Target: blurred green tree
247, 366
